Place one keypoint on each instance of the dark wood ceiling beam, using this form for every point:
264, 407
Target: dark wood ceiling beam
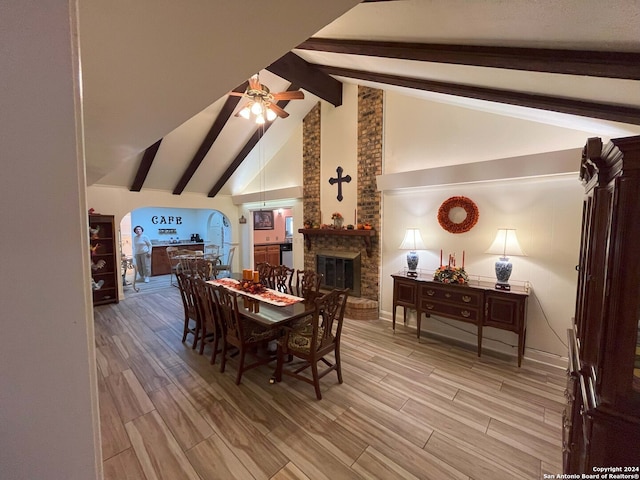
144, 167
605, 111
246, 149
297, 70
219, 123
624, 65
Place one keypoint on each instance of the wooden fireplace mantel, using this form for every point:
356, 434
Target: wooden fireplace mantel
365, 234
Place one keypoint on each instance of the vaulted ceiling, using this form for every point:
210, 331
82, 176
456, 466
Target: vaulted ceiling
149, 124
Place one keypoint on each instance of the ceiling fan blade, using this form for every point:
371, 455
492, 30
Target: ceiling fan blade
254, 83
236, 94
293, 95
278, 111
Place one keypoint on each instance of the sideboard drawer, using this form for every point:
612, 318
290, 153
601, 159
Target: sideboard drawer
452, 293
459, 312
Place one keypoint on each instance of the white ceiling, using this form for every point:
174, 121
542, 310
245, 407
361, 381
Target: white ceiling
176, 63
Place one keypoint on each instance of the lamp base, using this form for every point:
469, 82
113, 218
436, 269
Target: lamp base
503, 272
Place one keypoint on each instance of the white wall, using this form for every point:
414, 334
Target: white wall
49, 425
547, 215
546, 211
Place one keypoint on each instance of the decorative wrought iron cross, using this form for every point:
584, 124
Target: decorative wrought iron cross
339, 181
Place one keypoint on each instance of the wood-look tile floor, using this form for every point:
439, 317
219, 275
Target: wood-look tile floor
406, 410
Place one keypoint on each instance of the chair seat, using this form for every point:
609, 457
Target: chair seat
300, 340
255, 333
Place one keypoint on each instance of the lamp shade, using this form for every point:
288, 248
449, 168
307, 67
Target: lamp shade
412, 240
506, 244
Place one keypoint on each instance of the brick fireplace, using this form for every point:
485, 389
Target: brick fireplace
369, 164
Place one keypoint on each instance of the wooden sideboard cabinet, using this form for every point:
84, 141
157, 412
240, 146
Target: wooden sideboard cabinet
479, 305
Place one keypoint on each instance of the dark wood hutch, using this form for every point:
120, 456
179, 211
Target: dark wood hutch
601, 422
105, 270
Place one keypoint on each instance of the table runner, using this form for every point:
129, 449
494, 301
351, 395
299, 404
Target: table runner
270, 296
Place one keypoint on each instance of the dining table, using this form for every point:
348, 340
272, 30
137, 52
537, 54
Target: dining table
271, 308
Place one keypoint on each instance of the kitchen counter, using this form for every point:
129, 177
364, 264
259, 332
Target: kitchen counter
179, 244
160, 264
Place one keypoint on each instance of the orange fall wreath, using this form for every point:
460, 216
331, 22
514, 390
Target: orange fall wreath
467, 224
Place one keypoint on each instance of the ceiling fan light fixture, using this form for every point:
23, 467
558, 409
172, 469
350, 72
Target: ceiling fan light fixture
271, 115
262, 105
256, 108
245, 112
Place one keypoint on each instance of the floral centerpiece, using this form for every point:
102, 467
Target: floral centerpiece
449, 274
337, 219
252, 287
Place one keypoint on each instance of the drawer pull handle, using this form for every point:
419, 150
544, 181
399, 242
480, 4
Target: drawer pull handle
465, 313
448, 295
430, 306
431, 293
466, 298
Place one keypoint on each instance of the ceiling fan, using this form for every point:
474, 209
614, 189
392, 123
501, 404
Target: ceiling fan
262, 103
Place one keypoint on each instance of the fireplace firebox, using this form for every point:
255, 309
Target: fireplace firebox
340, 269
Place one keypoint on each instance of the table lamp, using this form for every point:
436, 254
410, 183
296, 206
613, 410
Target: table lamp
412, 242
505, 244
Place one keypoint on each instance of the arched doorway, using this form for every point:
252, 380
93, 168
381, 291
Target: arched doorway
219, 232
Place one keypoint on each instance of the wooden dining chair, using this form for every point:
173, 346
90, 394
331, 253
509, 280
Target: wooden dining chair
243, 334
314, 340
280, 278
192, 321
199, 267
211, 252
307, 284
174, 263
226, 266
210, 331
264, 270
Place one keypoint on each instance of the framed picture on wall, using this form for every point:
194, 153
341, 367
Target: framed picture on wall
263, 220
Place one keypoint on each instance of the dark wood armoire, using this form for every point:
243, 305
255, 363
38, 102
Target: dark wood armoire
602, 418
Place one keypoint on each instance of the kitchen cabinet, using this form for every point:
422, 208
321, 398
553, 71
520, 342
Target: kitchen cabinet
105, 271
269, 253
160, 264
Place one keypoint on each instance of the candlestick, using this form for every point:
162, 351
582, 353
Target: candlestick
440, 257
463, 259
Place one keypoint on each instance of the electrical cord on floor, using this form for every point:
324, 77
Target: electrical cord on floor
548, 323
